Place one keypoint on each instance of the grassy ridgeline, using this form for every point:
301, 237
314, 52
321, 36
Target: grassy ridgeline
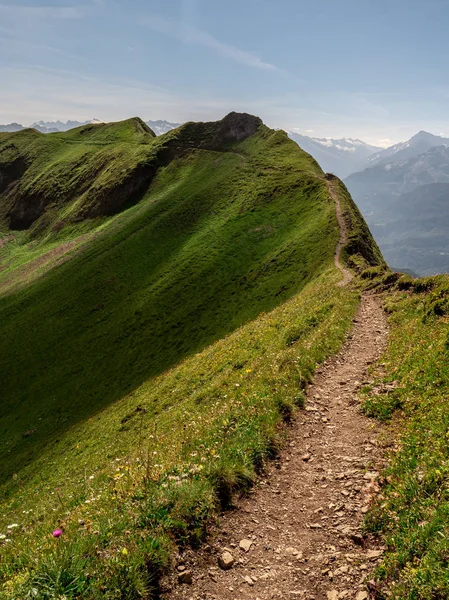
218, 238
151, 355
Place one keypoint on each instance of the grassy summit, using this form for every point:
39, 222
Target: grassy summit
166, 295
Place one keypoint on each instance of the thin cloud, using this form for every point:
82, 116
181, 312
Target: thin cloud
11, 42
43, 12
191, 35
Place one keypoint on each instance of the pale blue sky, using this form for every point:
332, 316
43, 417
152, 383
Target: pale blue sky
374, 69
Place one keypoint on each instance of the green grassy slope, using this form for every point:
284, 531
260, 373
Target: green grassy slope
111, 312
161, 461
410, 390
218, 238
360, 250
49, 180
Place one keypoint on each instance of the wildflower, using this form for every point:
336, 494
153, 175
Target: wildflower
57, 533
125, 552
2, 536
12, 526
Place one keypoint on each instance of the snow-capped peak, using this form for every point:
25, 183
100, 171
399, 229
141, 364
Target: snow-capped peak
345, 144
159, 127
418, 144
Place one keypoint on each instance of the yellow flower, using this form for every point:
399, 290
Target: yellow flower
125, 552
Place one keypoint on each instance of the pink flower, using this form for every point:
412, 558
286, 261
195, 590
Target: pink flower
57, 533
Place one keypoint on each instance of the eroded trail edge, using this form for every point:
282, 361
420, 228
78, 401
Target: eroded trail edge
298, 535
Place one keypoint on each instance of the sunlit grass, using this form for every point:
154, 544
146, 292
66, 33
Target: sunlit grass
412, 511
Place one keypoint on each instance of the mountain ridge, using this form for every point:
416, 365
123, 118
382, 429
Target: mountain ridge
419, 143
159, 127
28, 200
156, 356
181, 325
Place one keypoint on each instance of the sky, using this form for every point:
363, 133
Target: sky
369, 69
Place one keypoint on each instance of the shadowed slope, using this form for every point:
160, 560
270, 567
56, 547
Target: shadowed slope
219, 237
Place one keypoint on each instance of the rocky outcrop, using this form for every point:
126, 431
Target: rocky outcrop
12, 167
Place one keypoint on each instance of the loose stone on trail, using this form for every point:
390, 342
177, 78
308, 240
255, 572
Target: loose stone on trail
226, 560
245, 544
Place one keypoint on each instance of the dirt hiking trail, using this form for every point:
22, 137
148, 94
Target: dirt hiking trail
298, 534
347, 275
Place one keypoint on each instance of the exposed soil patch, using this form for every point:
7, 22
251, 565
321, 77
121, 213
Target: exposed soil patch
6, 239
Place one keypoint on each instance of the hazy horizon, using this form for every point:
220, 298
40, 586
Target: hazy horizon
354, 69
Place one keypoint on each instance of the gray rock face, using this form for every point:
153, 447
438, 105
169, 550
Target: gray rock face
236, 127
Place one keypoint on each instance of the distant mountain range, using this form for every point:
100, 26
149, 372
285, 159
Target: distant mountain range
418, 144
404, 196
11, 128
340, 156
159, 127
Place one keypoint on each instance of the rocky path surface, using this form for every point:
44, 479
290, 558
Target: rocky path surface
298, 534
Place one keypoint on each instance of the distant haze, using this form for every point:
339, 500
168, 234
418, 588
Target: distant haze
374, 71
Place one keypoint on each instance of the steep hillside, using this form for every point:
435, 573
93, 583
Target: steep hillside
94, 170
137, 276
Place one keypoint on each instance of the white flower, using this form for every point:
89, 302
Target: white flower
2, 536
12, 526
